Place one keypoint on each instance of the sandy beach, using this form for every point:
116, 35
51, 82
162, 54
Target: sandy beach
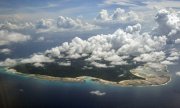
152, 77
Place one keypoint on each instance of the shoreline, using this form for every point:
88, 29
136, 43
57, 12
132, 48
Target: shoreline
149, 81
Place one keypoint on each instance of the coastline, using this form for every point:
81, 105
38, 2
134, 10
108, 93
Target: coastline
150, 80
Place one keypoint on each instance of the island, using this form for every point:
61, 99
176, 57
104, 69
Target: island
131, 74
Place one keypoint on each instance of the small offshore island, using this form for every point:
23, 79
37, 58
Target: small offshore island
133, 74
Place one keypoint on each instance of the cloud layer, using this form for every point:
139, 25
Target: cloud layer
112, 45
114, 48
63, 24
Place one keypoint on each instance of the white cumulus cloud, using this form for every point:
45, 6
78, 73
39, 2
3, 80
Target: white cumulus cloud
5, 51
8, 62
178, 73
63, 24
37, 58
116, 47
168, 23
44, 23
166, 62
177, 41
7, 37
118, 15
15, 26
112, 47
151, 57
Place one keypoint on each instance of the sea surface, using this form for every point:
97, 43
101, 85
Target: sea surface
17, 91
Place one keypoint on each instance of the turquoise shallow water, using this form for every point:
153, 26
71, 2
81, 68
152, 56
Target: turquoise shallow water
18, 91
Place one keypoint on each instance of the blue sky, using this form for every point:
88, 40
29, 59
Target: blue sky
34, 9
17, 6
73, 8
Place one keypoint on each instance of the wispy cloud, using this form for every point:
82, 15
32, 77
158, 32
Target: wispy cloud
98, 93
118, 2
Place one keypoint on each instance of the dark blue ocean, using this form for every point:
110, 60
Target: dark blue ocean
18, 91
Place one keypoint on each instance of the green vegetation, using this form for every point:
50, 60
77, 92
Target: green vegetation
76, 69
